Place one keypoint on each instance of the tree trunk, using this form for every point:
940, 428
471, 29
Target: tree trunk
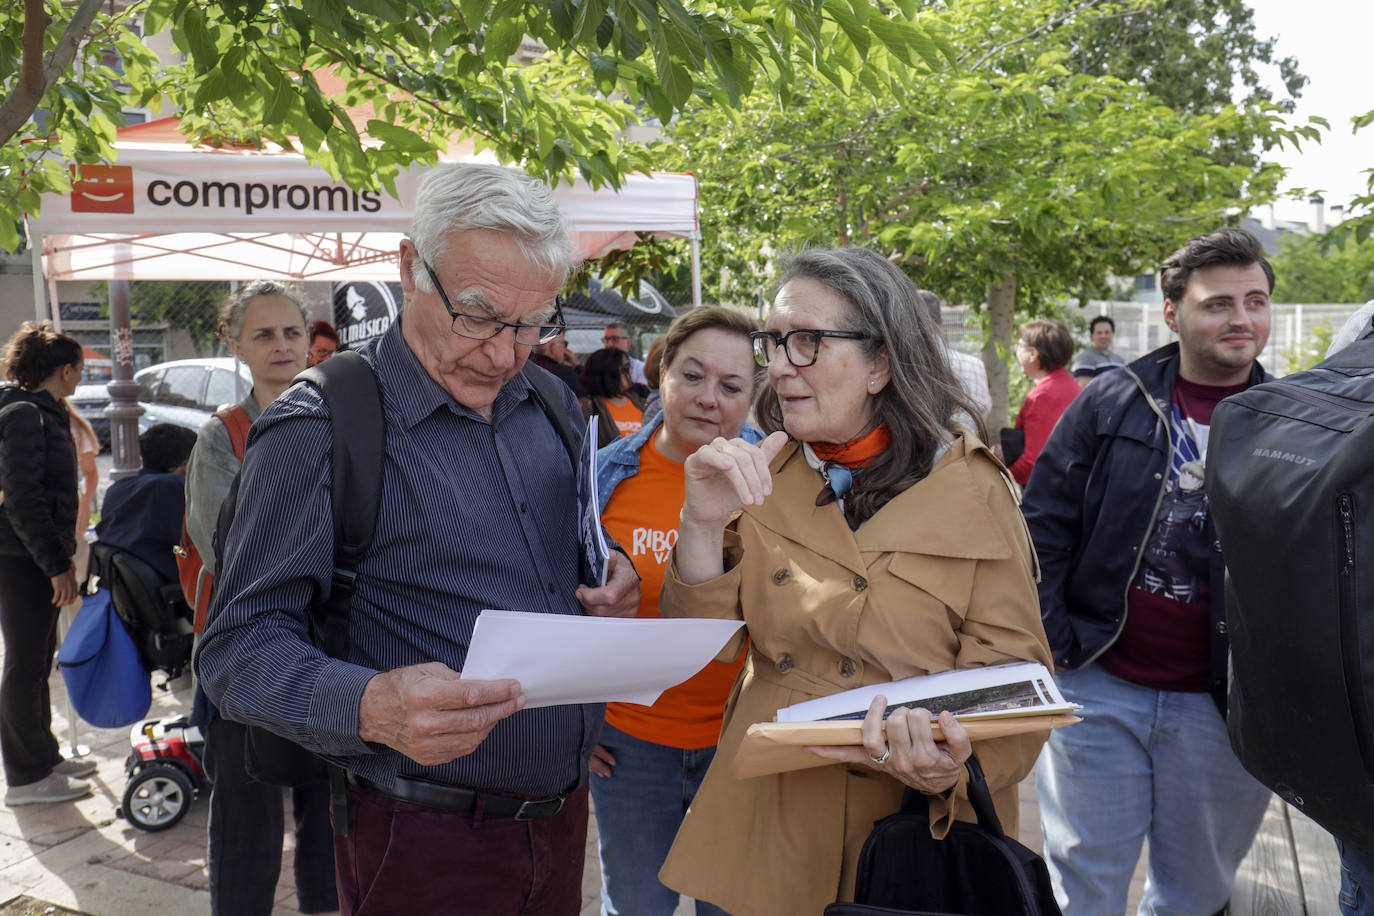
1001, 330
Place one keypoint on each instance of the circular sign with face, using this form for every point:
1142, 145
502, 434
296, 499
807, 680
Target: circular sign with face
364, 310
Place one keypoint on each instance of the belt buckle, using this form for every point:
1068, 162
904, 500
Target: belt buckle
539, 808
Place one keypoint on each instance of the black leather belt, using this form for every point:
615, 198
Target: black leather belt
465, 801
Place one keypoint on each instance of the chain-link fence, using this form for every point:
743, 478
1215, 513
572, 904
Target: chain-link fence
169, 319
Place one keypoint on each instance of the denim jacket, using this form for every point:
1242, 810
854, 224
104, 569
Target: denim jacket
620, 459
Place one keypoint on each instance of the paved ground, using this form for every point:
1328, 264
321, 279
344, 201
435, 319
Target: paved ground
83, 855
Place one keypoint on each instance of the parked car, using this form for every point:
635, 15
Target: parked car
184, 392
90, 400
187, 391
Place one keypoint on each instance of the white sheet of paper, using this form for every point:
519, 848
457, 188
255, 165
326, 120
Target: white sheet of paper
560, 659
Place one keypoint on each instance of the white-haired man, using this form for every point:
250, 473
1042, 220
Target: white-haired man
458, 799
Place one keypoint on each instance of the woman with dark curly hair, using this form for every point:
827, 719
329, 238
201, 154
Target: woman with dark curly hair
606, 376
38, 475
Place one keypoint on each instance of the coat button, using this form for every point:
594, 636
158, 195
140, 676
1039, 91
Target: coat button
1221, 627
1216, 545
784, 664
847, 667
860, 583
780, 576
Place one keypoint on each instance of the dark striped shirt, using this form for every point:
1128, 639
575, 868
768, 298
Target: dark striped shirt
474, 515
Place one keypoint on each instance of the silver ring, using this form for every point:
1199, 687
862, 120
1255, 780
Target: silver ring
879, 761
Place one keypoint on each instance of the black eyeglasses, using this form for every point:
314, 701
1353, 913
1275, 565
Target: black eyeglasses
802, 345
483, 327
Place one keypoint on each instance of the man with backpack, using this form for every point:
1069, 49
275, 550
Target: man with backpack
458, 800
1290, 498
1132, 599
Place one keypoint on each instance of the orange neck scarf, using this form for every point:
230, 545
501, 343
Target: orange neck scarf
856, 453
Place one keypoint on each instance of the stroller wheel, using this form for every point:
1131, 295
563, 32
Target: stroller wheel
158, 797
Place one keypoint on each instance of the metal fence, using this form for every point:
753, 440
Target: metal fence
1298, 331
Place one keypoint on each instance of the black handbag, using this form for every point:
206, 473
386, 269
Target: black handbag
976, 870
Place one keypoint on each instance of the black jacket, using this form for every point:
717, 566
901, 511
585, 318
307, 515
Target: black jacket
1091, 504
38, 477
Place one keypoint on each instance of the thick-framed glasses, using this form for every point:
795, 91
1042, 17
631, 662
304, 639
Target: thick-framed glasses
802, 345
483, 327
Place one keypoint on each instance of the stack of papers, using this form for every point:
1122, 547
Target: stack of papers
990, 702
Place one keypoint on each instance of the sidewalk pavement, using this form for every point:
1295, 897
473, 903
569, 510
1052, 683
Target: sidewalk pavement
84, 856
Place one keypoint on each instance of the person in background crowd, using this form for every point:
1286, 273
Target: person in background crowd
87, 447
617, 335
38, 520
606, 376
653, 373
1043, 348
558, 359
264, 324
143, 514
324, 342
1098, 358
870, 537
967, 368
651, 759
1132, 597
459, 799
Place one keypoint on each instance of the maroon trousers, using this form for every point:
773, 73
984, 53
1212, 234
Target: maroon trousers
405, 858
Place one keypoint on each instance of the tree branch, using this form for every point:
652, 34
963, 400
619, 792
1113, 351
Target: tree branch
37, 74
1052, 22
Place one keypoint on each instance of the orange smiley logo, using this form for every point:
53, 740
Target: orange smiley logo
103, 189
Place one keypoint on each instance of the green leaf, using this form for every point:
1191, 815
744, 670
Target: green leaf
398, 137
561, 15
503, 39
203, 54
280, 103
588, 18
605, 31
605, 72
381, 9
474, 12
319, 112
853, 27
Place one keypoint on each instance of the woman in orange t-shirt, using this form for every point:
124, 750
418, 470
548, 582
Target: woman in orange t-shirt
651, 759
606, 376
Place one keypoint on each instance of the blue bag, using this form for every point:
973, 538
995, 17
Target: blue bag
105, 678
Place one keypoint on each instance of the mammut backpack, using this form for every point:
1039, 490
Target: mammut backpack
1290, 477
197, 582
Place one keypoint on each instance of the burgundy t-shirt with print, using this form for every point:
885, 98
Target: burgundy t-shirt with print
1165, 643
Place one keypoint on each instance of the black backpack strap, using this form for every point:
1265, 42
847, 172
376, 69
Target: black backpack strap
979, 796
354, 398
545, 387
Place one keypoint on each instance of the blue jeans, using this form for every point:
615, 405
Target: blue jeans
1144, 763
638, 811
1357, 881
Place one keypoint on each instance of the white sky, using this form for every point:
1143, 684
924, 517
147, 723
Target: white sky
1331, 40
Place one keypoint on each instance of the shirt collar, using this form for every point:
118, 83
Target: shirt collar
417, 395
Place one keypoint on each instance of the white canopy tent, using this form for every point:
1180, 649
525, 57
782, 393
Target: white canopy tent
167, 211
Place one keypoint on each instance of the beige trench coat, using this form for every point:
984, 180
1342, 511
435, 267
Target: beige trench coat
941, 577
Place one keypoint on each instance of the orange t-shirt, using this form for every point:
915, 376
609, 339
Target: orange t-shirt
628, 419
642, 515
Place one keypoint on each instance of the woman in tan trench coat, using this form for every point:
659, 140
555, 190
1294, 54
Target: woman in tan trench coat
875, 539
